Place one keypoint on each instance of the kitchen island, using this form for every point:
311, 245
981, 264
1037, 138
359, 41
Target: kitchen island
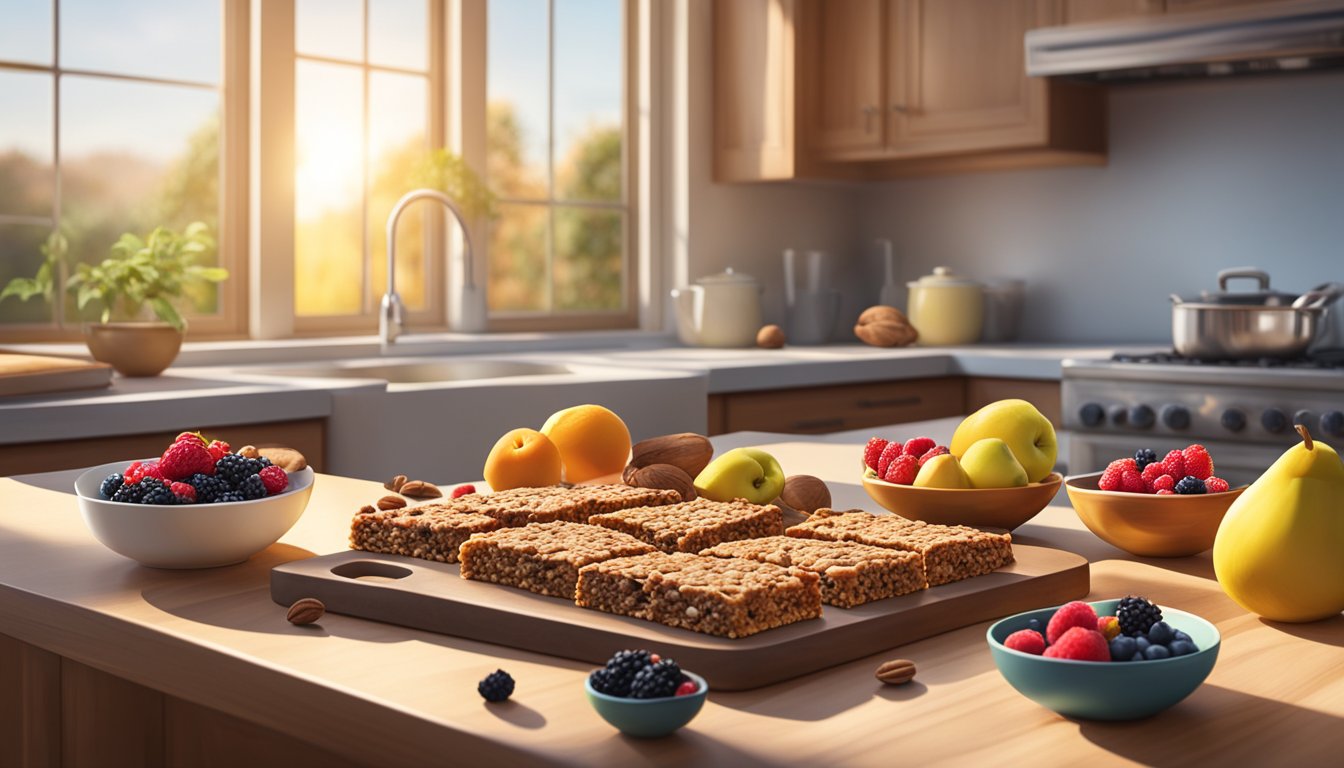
106, 662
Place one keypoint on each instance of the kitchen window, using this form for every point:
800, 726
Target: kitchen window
115, 120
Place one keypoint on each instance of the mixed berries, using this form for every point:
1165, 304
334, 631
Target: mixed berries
194, 470
898, 462
641, 675
1188, 471
1075, 631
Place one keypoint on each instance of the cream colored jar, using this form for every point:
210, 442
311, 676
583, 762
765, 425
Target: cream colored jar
946, 309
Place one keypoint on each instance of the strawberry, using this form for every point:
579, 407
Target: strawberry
463, 490
184, 459
1198, 463
902, 470
1175, 463
218, 448
191, 437
185, 493
275, 479
151, 469
918, 446
937, 450
1216, 485
873, 451
894, 448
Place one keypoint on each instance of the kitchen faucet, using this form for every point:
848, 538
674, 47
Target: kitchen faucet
390, 320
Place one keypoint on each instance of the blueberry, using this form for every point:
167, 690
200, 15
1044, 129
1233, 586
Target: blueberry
1123, 647
1179, 635
1036, 625
1141, 644
1156, 652
1138, 656
1160, 633
1182, 647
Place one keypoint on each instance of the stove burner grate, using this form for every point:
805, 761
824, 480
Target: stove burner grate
1326, 361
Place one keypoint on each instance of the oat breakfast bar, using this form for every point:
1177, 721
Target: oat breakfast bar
850, 573
543, 557
695, 525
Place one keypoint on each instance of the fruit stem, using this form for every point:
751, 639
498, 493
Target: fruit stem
1306, 436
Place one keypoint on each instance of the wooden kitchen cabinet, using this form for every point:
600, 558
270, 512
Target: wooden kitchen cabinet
1085, 11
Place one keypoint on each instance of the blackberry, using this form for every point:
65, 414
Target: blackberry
1190, 484
1137, 615
156, 492
264, 462
497, 686
1144, 456
228, 496
623, 668
233, 469
208, 487
111, 484
656, 681
129, 493
601, 682
252, 488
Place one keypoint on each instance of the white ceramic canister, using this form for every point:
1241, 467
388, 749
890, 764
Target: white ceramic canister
722, 310
946, 309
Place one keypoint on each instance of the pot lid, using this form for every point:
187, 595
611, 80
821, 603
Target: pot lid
1262, 296
726, 277
944, 277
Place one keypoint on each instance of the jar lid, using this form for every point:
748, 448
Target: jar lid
727, 276
943, 277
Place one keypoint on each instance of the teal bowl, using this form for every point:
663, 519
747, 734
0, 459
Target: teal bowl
649, 718
1120, 690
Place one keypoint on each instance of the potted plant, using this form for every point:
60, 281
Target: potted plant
139, 281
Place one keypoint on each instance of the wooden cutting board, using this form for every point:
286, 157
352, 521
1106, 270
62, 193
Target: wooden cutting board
432, 596
33, 374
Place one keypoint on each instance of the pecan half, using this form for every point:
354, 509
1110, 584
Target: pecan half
394, 485
419, 489
391, 502
306, 611
896, 671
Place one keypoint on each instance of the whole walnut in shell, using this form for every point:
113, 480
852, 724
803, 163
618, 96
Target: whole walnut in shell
883, 326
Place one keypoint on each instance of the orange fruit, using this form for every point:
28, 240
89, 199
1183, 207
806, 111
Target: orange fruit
522, 458
592, 440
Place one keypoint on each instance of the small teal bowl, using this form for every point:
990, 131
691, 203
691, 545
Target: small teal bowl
1120, 690
649, 718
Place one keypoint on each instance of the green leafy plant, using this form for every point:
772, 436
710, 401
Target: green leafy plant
141, 273
449, 173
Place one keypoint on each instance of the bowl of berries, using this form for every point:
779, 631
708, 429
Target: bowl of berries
1109, 660
199, 505
644, 695
1152, 508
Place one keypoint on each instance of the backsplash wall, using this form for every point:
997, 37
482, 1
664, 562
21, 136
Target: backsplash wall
1202, 175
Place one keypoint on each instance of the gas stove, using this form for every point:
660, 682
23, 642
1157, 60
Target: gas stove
1243, 411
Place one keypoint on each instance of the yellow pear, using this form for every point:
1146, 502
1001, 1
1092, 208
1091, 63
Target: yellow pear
942, 472
1280, 548
1018, 423
990, 463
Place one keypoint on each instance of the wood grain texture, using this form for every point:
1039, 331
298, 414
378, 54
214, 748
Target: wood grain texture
30, 705
815, 410
204, 738
108, 721
1045, 395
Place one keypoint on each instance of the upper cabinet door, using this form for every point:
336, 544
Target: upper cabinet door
1084, 11
845, 77
959, 83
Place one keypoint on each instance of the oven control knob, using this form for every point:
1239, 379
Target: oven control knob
1304, 417
1141, 416
1273, 420
1332, 423
1118, 414
1091, 414
1233, 420
1176, 416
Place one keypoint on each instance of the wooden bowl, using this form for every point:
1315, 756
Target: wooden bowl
1005, 508
1149, 525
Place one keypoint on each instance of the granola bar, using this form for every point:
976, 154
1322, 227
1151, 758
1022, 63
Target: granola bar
729, 597
426, 531
520, 506
851, 573
543, 557
695, 525
950, 552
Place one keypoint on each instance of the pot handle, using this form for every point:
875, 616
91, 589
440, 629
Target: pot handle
1259, 275
1176, 299
1314, 299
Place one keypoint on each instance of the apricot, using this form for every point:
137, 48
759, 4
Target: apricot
593, 441
522, 458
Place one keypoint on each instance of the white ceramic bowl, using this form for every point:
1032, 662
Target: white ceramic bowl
189, 535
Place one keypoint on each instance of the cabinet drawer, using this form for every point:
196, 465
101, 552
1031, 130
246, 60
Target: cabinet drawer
815, 410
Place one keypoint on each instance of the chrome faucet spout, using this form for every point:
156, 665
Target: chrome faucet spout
391, 316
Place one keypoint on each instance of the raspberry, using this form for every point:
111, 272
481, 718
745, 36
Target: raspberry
190, 437
873, 451
185, 493
1026, 641
218, 448
687, 688
1132, 482
902, 470
463, 490
1109, 627
1175, 462
918, 446
1198, 462
937, 450
274, 479
1080, 644
1165, 491
1150, 474
133, 473
1164, 483
184, 459
151, 469
894, 448
1111, 479
1216, 485
1074, 614
1129, 464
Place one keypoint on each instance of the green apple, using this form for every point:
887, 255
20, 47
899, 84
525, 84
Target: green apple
742, 473
942, 472
1030, 435
990, 463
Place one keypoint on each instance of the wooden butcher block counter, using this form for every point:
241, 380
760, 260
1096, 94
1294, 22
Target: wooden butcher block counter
105, 662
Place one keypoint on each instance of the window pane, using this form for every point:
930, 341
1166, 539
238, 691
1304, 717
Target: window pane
26, 175
328, 189
516, 90
398, 33
20, 257
518, 259
25, 34
588, 96
130, 170
178, 39
398, 113
331, 28
589, 269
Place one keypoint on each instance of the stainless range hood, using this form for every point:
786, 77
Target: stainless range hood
1264, 38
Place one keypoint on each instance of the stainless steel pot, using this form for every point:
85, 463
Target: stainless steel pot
1263, 323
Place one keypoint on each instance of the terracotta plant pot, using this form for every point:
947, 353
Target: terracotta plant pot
134, 349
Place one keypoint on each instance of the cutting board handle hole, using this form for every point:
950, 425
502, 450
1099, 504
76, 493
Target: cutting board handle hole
370, 569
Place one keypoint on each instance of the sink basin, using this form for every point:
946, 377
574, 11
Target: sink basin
419, 372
